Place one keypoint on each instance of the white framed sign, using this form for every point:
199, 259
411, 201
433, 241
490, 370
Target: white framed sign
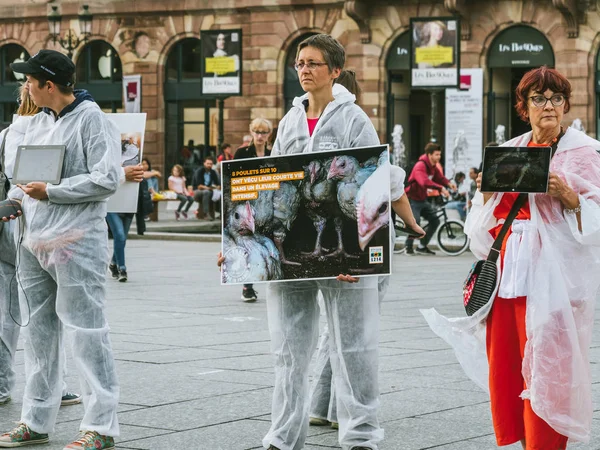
132, 128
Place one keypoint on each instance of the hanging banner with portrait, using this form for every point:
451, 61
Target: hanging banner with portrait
132, 93
221, 62
132, 128
435, 52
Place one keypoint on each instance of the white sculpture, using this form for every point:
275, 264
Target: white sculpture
500, 139
399, 150
578, 125
459, 151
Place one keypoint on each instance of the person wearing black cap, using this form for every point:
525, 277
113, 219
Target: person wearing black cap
63, 256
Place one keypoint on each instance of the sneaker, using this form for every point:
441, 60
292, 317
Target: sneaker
424, 251
410, 251
249, 295
5, 401
91, 440
122, 276
114, 271
184, 214
318, 422
177, 215
22, 436
70, 398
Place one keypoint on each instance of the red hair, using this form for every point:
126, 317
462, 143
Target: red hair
539, 80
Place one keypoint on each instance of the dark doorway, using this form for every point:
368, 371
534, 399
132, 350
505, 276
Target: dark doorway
517, 126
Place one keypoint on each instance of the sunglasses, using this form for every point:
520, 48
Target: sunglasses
262, 133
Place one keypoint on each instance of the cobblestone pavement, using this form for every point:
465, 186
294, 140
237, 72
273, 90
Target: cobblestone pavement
196, 373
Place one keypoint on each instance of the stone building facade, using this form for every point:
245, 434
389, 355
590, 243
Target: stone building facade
374, 33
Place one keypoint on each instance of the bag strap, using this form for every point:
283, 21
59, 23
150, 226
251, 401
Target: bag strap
2, 151
519, 202
495, 250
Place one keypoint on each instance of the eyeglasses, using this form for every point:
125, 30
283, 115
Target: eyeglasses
540, 101
310, 65
262, 133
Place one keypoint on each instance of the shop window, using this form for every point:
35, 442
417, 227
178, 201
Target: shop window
190, 116
184, 62
99, 62
291, 83
9, 81
511, 54
99, 71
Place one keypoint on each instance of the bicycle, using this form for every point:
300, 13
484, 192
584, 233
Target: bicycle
450, 235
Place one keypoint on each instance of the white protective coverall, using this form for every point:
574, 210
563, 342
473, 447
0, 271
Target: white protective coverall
63, 265
9, 295
322, 397
561, 265
352, 309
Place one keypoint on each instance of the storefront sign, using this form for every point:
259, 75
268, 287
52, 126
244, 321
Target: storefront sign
464, 123
520, 46
399, 55
221, 62
435, 52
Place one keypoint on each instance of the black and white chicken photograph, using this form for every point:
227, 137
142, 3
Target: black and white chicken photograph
306, 216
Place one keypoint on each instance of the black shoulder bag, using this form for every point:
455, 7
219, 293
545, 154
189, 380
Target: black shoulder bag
482, 281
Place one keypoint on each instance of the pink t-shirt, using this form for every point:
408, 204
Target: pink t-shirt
312, 123
178, 184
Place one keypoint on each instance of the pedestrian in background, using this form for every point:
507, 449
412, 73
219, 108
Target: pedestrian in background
177, 184
260, 130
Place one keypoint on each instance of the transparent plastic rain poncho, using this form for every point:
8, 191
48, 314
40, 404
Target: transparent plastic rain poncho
63, 263
563, 270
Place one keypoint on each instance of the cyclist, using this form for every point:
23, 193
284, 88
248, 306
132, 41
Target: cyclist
426, 175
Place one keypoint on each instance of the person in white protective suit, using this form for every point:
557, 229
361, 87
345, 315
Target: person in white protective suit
63, 258
529, 346
322, 398
10, 316
326, 118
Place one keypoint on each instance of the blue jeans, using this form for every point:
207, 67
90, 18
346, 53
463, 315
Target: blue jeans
460, 207
152, 183
119, 224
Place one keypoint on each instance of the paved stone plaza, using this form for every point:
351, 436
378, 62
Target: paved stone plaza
196, 373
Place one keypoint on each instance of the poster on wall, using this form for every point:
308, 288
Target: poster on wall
132, 93
464, 123
221, 62
435, 52
132, 128
306, 216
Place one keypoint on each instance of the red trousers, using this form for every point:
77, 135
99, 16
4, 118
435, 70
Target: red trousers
513, 418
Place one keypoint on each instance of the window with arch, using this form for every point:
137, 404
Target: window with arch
291, 83
99, 71
190, 117
183, 62
9, 81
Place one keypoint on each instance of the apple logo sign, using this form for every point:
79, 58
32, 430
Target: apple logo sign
19, 76
104, 64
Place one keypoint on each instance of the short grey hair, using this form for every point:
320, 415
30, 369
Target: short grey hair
333, 52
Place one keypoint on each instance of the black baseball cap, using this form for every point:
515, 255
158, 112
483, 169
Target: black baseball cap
54, 66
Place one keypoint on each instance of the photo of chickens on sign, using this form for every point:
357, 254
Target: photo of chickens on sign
306, 216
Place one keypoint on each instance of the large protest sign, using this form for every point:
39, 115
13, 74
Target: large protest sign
306, 216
